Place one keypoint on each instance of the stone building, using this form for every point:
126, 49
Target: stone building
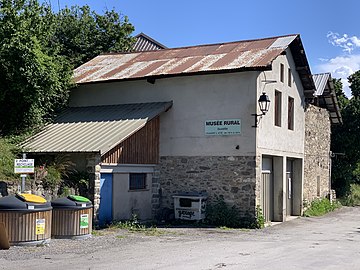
188, 120
321, 113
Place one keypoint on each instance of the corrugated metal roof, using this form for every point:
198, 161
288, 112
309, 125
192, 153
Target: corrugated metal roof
320, 81
223, 57
94, 129
146, 43
326, 96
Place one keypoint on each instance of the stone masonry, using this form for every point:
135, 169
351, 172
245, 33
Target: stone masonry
232, 178
317, 153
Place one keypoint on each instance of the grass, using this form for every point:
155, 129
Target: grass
134, 226
319, 207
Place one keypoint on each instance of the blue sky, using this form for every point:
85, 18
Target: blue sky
329, 29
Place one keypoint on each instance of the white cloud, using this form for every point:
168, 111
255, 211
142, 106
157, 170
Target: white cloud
348, 44
341, 67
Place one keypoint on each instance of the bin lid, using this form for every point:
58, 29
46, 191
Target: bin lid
31, 198
19, 203
78, 198
70, 203
191, 194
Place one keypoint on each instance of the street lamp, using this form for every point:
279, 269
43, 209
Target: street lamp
264, 103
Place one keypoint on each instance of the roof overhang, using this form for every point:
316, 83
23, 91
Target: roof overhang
95, 129
326, 96
302, 67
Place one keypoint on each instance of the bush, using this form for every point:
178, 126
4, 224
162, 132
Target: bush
353, 198
222, 215
8, 153
319, 207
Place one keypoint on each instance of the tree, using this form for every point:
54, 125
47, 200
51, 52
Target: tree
354, 81
83, 34
38, 51
34, 78
346, 164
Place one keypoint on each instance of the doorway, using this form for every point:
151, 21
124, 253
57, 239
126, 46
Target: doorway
289, 186
267, 190
106, 190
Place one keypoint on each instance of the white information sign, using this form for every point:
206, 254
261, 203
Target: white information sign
223, 127
24, 166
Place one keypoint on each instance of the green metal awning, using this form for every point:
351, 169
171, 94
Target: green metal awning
93, 129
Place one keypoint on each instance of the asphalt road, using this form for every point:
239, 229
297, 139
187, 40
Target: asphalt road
329, 242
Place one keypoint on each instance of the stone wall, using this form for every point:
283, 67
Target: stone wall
232, 178
317, 150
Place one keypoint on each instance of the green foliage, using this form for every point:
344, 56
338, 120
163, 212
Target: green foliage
319, 207
83, 34
78, 180
52, 172
344, 140
133, 225
354, 81
222, 215
8, 152
34, 78
38, 51
353, 198
260, 220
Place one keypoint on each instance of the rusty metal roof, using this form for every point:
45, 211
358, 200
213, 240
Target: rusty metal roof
95, 128
326, 97
214, 58
146, 43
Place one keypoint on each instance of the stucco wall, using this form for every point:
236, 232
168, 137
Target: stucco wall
274, 140
128, 202
317, 149
195, 100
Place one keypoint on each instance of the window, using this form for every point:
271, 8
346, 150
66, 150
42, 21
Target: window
289, 77
291, 113
137, 181
277, 108
281, 72
318, 186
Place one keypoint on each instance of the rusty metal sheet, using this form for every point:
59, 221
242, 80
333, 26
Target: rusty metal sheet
267, 58
205, 58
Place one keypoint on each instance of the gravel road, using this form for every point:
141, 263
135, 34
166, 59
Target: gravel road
329, 242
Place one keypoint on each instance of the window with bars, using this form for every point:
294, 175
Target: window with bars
291, 113
137, 181
277, 108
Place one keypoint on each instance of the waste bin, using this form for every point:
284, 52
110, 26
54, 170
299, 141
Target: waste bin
27, 219
190, 205
72, 217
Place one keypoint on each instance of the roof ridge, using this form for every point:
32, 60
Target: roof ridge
203, 45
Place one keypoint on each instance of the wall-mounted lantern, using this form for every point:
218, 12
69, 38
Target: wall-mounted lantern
264, 104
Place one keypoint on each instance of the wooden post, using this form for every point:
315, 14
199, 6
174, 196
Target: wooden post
4, 240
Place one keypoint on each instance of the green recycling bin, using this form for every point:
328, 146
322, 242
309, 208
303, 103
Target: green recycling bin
72, 217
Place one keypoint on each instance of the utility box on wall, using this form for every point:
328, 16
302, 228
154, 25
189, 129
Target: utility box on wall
190, 205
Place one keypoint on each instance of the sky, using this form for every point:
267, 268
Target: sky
329, 29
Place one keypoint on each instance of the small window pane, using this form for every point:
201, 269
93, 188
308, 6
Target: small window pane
281, 72
137, 181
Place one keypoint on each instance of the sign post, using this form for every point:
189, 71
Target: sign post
23, 167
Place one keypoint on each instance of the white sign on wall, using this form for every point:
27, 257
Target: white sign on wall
223, 127
24, 166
